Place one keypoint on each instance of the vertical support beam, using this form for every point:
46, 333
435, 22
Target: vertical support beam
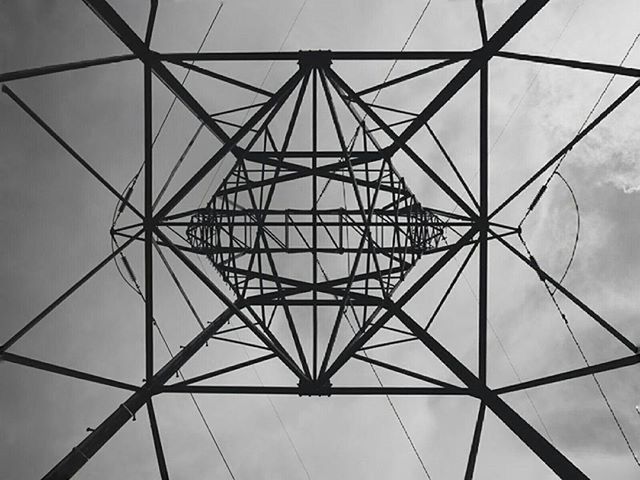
484, 223
475, 444
155, 432
554, 459
148, 224
314, 215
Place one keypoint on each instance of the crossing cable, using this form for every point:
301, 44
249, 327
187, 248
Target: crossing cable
543, 189
200, 323
553, 291
582, 354
255, 96
277, 413
394, 409
379, 380
136, 286
535, 77
511, 363
404, 46
531, 83
129, 188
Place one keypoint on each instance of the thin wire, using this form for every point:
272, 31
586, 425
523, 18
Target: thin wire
391, 404
406, 42
255, 96
284, 40
195, 402
133, 181
584, 123
138, 290
535, 77
584, 357
577, 236
275, 410
510, 362
393, 407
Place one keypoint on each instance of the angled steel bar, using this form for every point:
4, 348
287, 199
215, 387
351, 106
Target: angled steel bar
314, 203
240, 342
591, 66
352, 96
67, 372
408, 76
329, 55
577, 373
66, 294
229, 145
157, 443
300, 171
475, 443
451, 163
224, 78
482, 22
262, 231
153, 10
453, 282
583, 133
364, 335
285, 146
125, 33
366, 218
88, 447
68, 148
63, 67
536, 442
222, 371
179, 286
238, 109
509, 28
314, 390
403, 371
265, 337
585, 308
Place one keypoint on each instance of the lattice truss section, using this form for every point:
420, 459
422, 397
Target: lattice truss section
320, 240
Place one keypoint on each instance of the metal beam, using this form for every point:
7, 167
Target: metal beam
579, 303
329, 55
591, 66
66, 294
536, 442
577, 373
483, 220
157, 443
63, 67
314, 390
363, 335
513, 25
86, 449
148, 222
475, 443
568, 147
45, 126
67, 372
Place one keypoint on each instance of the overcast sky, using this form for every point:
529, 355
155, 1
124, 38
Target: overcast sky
56, 219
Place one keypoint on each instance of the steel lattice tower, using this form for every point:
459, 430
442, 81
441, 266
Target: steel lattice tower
277, 256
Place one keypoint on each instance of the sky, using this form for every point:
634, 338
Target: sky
56, 221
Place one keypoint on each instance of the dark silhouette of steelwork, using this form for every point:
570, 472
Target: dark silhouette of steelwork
250, 231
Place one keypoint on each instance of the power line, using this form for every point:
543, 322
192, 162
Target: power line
255, 96
584, 357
